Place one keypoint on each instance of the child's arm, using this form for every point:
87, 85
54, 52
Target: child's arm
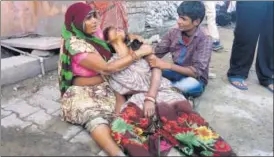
155, 82
120, 100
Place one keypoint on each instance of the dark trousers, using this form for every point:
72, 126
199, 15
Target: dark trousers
254, 21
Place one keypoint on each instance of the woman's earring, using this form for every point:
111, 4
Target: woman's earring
84, 26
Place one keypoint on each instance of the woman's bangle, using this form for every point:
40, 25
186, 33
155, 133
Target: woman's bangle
150, 99
147, 95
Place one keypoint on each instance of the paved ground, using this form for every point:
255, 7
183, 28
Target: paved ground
31, 125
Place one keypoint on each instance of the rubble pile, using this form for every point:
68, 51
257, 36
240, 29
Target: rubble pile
160, 11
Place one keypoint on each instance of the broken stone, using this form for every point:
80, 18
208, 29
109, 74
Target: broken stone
154, 38
161, 11
41, 53
212, 75
18, 87
15, 88
35, 89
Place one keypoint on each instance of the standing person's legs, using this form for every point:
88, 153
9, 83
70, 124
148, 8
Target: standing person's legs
248, 24
211, 23
265, 56
190, 87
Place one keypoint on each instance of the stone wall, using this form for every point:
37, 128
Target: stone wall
153, 14
136, 16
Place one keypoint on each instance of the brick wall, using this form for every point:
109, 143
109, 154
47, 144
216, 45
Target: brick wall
136, 16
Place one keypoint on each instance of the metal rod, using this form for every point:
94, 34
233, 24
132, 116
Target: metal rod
41, 59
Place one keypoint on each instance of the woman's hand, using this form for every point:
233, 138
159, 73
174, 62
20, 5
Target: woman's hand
149, 108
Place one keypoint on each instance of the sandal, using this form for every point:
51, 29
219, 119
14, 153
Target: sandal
241, 84
270, 89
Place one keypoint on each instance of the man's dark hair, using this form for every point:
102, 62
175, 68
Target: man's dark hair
193, 9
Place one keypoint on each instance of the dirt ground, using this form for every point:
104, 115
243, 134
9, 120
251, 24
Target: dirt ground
243, 118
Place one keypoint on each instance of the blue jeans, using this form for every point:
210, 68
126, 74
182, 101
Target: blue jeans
190, 87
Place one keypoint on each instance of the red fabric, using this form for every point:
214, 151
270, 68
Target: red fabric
79, 70
76, 14
186, 40
173, 119
101, 6
113, 13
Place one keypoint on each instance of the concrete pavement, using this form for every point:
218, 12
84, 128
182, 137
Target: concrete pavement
37, 117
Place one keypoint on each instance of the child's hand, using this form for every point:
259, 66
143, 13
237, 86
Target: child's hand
149, 108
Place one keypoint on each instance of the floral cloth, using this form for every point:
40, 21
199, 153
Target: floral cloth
175, 125
89, 106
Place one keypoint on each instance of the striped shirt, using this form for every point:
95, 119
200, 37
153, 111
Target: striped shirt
195, 53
